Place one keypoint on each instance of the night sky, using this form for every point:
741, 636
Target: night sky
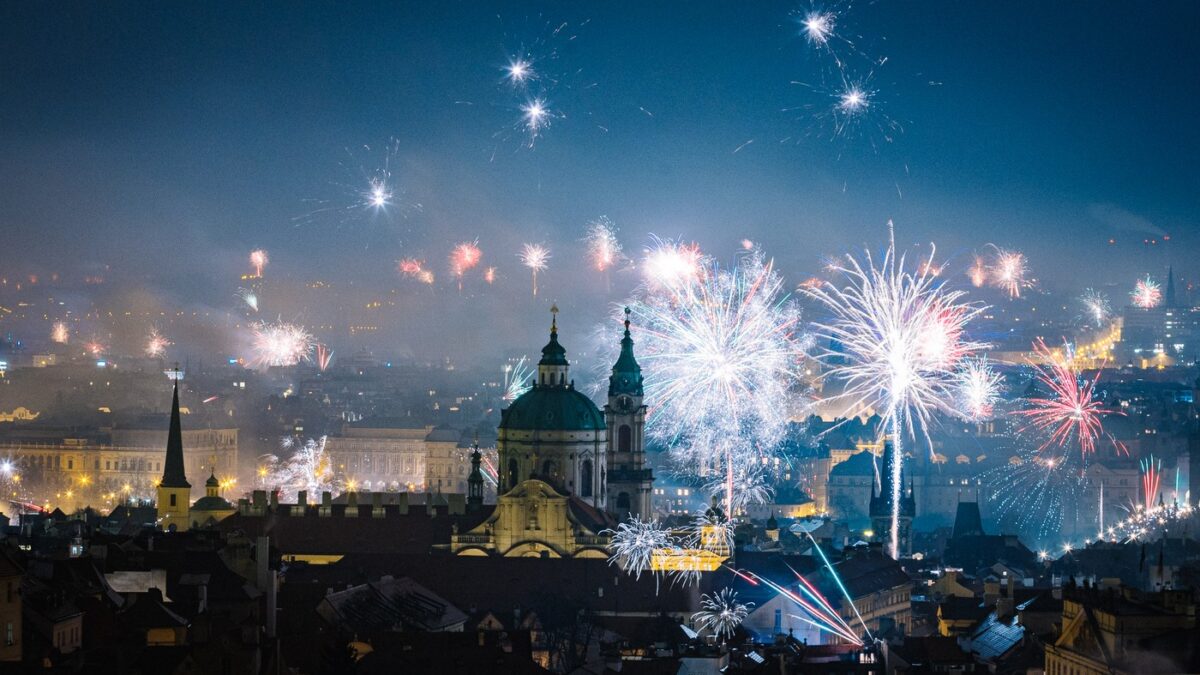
166, 140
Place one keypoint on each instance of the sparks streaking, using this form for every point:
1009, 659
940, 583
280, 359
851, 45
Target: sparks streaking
1146, 294
895, 340
156, 344
535, 257
604, 250
464, 257
721, 613
280, 344
726, 353
259, 260
1071, 413
672, 264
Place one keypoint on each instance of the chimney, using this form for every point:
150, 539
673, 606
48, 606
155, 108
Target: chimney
402, 503
272, 603
302, 500
259, 502
262, 559
351, 504
244, 506
274, 500
326, 504
376, 504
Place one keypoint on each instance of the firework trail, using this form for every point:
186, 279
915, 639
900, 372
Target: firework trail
60, 333
725, 351
465, 256
249, 297
1151, 480
978, 389
894, 341
156, 344
1146, 294
721, 613
535, 257
1071, 414
1095, 307
1008, 271
280, 344
672, 265
324, 357
258, 260
518, 379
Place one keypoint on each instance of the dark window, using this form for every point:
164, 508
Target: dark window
624, 438
623, 501
585, 479
172, 499
512, 473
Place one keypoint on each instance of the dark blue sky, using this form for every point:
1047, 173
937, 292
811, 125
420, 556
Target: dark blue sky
156, 137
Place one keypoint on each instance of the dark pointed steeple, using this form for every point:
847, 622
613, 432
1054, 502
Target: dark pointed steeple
173, 473
626, 375
553, 353
475, 480
1169, 296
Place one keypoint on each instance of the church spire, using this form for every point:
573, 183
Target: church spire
173, 473
626, 375
1169, 296
475, 480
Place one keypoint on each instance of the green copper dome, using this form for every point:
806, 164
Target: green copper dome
552, 409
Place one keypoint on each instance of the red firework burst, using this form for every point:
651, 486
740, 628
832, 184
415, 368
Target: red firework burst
1072, 411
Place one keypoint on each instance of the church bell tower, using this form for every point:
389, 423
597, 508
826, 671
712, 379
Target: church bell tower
174, 492
629, 480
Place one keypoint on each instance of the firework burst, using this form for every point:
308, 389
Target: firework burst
978, 389
671, 264
259, 261
634, 544
1071, 414
603, 247
721, 613
725, 351
1009, 271
536, 257
464, 257
309, 468
818, 27
894, 341
156, 344
280, 344
978, 272
1095, 307
60, 333
410, 267
1146, 294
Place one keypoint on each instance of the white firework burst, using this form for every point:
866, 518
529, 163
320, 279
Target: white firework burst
721, 613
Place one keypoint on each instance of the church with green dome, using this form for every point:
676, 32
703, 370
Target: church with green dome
556, 434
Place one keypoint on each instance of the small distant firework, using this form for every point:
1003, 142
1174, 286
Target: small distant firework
1146, 294
519, 71
309, 468
1095, 307
60, 333
535, 257
280, 344
672, 264
324, 357
721, 613
896, 339
378, 194
258, 260
249, 297
604, 250
1009, 270
634, 543
1072, 413
1151, 480
465, 256
156, 344
978, 273
853, 99
819, 26
489, 275
535, 117
95, 347
410, 267
978, 389
517, 379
